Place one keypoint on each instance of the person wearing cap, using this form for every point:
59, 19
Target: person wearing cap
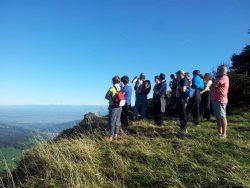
160, 99
182, 100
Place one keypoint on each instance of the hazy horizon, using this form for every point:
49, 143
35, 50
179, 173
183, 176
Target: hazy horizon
52, 105
40, 115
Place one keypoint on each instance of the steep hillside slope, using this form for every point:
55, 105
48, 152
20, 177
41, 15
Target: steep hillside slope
13, 136
144, 156
13, 140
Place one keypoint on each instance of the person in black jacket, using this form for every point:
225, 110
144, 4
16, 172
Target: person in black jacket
182, 100
172, 111
160, 99
156, 101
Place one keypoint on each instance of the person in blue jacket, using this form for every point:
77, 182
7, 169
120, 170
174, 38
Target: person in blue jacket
194, 103
127, 89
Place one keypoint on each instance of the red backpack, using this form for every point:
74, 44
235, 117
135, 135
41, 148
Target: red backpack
118, 99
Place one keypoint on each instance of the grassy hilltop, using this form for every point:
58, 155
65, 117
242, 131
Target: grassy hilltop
145, 156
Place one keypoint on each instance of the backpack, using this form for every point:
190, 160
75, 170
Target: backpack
119, 98
190, 92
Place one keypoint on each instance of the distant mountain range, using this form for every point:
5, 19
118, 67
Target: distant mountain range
57, 128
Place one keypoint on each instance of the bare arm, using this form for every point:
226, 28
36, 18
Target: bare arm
135, 79
203, 91
206, 89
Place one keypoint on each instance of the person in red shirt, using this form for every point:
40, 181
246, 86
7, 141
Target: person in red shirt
219, 91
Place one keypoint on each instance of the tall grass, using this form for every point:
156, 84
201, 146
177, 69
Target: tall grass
147, 156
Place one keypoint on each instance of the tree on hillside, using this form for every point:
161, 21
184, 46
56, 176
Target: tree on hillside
241, 62
239, 91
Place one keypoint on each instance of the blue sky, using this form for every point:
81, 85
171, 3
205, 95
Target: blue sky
66, 52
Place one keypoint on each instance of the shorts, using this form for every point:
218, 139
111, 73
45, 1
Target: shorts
219, 109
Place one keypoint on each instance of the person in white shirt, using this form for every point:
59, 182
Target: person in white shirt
205, 97
138, 82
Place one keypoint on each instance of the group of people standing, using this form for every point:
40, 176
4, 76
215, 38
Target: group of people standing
188, 97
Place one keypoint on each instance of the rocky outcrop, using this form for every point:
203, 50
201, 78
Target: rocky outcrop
90, 119
91, 125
